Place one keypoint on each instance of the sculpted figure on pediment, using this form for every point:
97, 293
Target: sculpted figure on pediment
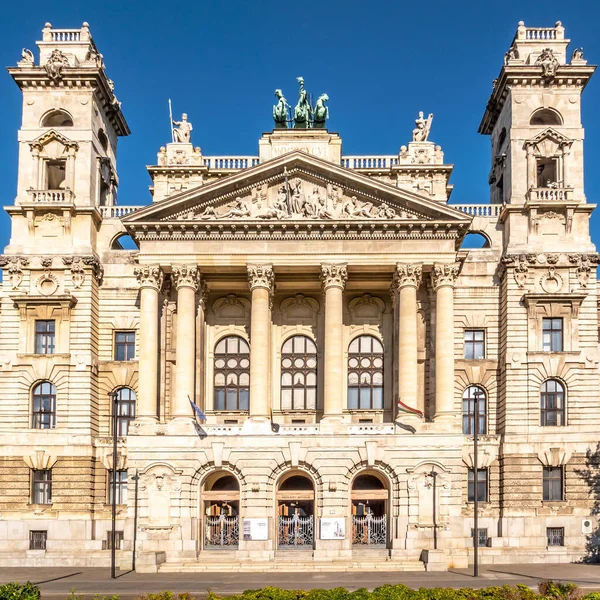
353, 208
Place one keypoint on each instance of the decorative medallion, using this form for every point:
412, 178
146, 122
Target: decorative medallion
551, 281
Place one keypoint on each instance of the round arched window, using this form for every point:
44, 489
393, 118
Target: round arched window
299, 374
552, 403
474, 394
44, 406
125, 410
232, 374
365, 373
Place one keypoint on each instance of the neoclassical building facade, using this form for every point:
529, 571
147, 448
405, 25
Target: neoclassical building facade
322, 313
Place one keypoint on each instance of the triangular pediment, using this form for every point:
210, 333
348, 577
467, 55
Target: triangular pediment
296, 187
549, 134
52, 136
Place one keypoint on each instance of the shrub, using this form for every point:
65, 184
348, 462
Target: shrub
19, 591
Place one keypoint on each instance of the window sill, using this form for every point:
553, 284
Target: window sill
48, 355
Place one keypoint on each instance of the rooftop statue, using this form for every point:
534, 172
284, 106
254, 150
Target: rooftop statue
422, 127
321, 112
303, 112
280, 111
548, 62
182, 130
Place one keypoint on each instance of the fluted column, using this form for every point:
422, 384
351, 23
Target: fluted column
150, 279
261, 280
333, 277
407, 279
186, 279
443, 279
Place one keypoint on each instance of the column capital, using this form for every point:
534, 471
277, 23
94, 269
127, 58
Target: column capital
334, 275
407, 274
444, 275
149, 276
261, 276
186, 276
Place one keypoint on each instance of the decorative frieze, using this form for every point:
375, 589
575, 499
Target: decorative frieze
407, 274
261, 276
444, 275
15, 265
334, 275
75, 263
150, 276
186, 276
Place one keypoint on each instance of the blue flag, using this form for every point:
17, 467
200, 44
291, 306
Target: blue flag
197, 410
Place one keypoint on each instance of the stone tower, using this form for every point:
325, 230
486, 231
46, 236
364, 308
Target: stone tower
67, 141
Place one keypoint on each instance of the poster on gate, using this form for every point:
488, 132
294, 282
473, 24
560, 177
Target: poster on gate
256, 529
333, 529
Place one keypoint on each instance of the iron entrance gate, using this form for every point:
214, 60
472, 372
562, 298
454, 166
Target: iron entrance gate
221, 532
369, 530
295, 532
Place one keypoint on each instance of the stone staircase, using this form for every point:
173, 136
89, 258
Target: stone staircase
292, 561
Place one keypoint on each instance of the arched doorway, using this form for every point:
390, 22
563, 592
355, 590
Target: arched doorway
369, 511
295, 512
221, 505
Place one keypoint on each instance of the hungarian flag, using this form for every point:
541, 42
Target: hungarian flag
408, 410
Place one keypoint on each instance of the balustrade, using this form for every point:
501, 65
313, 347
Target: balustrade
50, 196
478, 210
369, 162
550, 194
230, 162
116, 212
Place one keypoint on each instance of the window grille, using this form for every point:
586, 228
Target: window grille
37, 540
482, 538
119, 537
555, 536
299, 374
232, 374
365, 373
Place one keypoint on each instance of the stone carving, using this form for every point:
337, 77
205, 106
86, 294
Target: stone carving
237, 208
422, 126
46, 261
551, 282
577, 54
520, 274
97, 268
585, 264
149, 276
186, 275
77, 274
162, 157
182, 130
548, 62
261, 276
407, 274
334, 275
321, 112
512, 54
56, 62
444, 274
95, 58
47, 284
15, 265
27, 56
280, 111
366, 307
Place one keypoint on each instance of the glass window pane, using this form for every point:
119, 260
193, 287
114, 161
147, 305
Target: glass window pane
365, 344
299, 344
468, 335
311, 399
220, 399
469, 351
286, 399
288, 346
231, 399
353, 346
244, 398
365, 398
311, 379
219, 379
353, 398
378, 397
221, 347
245, 379
311, 348
299, 399
286, 378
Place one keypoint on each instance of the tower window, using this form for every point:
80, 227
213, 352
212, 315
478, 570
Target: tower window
546, 116
547, 172
55, 174
57, 118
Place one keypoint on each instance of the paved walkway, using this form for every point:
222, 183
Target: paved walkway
57, 583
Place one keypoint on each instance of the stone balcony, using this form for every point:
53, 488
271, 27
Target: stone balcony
548, 194
50, 196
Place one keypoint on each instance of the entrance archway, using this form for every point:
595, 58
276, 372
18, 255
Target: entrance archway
295, 512
221, 505
369, 511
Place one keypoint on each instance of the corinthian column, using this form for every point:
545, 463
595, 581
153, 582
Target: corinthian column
407, 279
187, 279
260, 280
443, 279
333, 278
150, 279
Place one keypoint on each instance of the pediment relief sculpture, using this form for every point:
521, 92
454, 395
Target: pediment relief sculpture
299, 199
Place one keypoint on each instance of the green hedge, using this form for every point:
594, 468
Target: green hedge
548, 590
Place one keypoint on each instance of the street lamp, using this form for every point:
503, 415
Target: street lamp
433, 475
476, 395
113, 533
136, 479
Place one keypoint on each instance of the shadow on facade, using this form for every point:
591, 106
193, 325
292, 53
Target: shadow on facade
591, 476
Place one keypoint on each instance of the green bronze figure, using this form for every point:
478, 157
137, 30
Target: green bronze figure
321, 112
280, 111
303, 112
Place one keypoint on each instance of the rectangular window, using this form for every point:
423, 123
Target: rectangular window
119, 537
41, 492
474, 344
482, 485
55, 174
121, 486
125, 345
555, 536
482, 538
37, 540
552, 334
44, 337
553, 484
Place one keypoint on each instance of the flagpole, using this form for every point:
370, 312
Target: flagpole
171, 121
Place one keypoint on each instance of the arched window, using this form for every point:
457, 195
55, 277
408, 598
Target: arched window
57, 118
471, 395
365, 373
299, 374
232, 374
44, 406
546, 116
552, 403
125, 410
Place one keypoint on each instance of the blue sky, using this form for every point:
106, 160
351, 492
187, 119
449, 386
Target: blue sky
379, 62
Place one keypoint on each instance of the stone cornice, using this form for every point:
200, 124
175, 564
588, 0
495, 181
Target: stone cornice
334, 275
407, 274
186, 276
150, 276
261, 276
